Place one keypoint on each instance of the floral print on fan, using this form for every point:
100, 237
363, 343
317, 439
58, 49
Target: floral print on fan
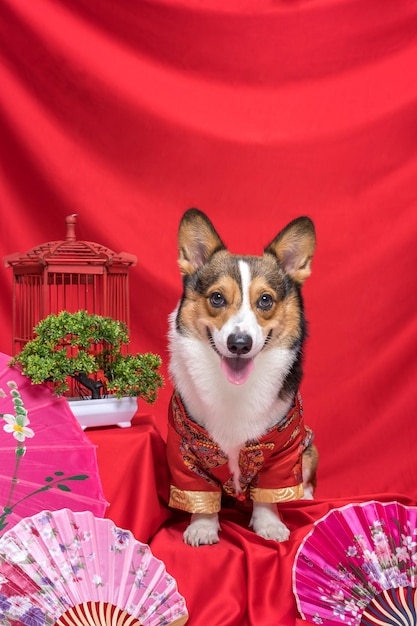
68, 557
383, 558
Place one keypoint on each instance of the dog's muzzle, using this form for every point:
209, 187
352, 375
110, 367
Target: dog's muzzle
237, 367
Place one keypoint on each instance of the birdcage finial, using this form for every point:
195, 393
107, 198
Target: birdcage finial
70, 220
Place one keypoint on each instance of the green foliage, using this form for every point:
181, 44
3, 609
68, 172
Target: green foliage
80, 345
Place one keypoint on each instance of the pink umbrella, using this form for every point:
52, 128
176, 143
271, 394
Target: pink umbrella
46, 460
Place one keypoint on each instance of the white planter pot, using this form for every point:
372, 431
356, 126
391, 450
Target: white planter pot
110, 411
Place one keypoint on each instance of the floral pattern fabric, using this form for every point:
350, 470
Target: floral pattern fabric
273, 462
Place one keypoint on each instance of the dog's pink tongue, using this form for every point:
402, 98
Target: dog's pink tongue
237, 369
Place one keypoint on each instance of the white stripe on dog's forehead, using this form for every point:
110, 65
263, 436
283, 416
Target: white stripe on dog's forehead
245, 276
244, 320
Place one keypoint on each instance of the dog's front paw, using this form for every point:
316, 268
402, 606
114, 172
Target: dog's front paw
267, 523
203, 530
275, 530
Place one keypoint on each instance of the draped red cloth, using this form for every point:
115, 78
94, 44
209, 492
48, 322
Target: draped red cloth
243, 580
255, 112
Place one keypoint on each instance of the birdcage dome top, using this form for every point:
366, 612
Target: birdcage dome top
70, 251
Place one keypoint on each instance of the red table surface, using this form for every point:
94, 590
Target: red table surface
242, 581
134, 475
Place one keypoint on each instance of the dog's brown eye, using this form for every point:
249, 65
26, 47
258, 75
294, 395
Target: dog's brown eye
265, 302
217, 300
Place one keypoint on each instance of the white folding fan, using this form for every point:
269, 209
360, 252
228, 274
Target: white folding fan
70, 568
358, 565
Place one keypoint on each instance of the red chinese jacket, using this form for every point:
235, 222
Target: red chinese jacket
270, 468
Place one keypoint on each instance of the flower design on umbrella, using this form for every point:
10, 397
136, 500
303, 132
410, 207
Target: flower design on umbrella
18, 426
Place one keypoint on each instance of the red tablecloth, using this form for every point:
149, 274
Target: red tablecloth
134, 475
242, 581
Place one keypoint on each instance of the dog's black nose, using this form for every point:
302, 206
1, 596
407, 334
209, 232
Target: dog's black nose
239, 344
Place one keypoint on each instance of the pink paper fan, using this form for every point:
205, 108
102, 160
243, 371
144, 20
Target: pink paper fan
70, 568
358, 565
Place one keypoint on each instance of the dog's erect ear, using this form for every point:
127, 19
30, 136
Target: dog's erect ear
197, 241
294, 247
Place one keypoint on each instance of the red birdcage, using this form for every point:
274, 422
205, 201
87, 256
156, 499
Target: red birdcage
67, 275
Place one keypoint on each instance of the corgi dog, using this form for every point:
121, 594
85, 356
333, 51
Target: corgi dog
236, 344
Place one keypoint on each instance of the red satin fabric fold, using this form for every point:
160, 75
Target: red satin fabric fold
243, 580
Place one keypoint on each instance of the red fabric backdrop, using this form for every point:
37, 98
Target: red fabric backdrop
128, 113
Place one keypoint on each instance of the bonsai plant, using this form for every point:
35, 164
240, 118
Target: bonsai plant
91, 349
